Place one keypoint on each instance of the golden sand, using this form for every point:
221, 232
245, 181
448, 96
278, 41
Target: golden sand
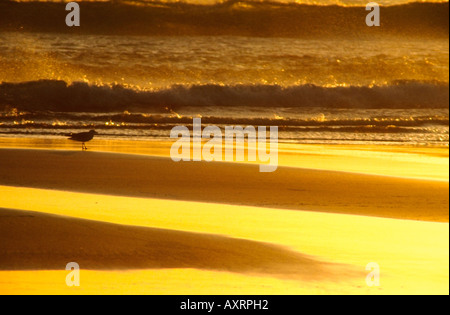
170, 244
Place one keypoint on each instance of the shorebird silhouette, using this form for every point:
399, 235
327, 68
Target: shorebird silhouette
83, 137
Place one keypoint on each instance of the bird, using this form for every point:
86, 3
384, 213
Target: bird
83, 137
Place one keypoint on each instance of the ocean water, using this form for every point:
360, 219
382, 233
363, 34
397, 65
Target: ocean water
317, 72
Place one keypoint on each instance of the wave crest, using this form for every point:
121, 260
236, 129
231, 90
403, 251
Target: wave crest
58, 96
231, 17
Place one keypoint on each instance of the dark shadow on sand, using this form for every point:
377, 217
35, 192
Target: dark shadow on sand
37, 241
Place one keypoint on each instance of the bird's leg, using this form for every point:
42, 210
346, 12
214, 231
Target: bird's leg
83, 147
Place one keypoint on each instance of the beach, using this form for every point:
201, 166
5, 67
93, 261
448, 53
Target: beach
332, 118
141, 223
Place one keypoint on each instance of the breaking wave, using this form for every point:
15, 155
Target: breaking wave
233, 17
58, 96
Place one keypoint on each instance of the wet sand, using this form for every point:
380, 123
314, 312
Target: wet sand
134, 218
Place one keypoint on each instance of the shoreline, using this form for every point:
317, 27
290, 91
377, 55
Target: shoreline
414, 162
